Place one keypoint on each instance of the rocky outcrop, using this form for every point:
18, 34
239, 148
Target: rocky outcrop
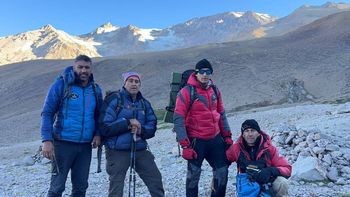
315, 156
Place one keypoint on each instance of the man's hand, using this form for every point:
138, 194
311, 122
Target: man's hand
265, 175
189, 153
135, 126
48, 150
228, 142
96, 141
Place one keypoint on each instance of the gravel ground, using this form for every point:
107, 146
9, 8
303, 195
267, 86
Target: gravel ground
20, 180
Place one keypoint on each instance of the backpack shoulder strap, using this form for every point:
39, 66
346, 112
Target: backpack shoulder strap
120, 104
193, 95
111, 95
215, 90
64, 94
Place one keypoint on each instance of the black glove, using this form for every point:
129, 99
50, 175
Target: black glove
266, 175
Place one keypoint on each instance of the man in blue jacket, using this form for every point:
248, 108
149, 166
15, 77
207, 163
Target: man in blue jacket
127, 120
69, 126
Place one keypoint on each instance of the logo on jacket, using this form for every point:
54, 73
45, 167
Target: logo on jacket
74, 96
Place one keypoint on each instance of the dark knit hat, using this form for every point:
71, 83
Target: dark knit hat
204, 63
250, 124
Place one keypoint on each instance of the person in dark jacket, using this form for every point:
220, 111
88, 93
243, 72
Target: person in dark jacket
257, 158
202, 129
69, 126
127, 121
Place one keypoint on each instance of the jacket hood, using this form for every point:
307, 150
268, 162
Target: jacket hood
192, 80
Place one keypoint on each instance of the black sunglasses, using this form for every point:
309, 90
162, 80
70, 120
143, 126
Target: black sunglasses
207, 72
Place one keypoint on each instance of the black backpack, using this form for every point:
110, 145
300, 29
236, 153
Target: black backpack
111, 95
179, 81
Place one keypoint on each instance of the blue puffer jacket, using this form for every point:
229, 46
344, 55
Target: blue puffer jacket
70, 111
114, 121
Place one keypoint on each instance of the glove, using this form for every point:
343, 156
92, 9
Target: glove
189, 153
228, 142
266, 175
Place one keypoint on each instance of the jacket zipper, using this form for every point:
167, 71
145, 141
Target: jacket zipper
83, 123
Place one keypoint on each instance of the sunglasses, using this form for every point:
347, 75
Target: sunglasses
207, 72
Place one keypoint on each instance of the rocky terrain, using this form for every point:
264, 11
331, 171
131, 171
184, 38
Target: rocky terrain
318, 133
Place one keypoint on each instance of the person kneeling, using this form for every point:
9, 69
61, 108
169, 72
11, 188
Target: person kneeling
261, 170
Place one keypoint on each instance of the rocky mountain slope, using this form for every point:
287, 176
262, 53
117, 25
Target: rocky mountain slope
108, 40
309, 64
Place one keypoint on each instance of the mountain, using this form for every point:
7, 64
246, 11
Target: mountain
310, 64
44, 43
302, 16
222, 27
225, 27
109, 40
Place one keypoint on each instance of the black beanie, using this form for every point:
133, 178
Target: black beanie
250, 124
204, 63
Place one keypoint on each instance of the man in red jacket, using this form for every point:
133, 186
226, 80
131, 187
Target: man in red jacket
202, 129
259, 159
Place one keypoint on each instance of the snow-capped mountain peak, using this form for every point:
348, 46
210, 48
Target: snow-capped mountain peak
110, 40
105, 28
236, 14
48, 28
336, 5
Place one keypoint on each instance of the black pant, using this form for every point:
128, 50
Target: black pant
75, 157
212, 150
118, 163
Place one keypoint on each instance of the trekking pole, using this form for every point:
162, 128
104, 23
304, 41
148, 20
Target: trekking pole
134, 164
132, 177
99, 158
178, 144
57, 171
132, 174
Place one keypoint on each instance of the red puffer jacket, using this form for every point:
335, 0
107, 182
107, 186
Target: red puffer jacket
274, 160
205, 119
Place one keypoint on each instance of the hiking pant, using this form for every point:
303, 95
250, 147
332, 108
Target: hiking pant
212, 150
280, 187
75, 157
118, 163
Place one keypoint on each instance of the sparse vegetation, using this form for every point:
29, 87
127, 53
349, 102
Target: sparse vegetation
337, 101
343, 195
159, 113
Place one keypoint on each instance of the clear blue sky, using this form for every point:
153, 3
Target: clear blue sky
79, 17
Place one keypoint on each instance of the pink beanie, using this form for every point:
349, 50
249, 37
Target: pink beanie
130, 74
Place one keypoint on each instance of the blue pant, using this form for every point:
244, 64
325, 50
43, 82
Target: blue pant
75, 157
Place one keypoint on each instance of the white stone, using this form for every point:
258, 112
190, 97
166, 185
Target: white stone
341, 181
308, 168
322, 143
332, 147
336, 154
327, 159
318, 150
28, 161
345, 169
290, 137
332, 174
317, 136
302, 133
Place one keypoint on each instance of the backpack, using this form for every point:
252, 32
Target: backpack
179, 81
111, 95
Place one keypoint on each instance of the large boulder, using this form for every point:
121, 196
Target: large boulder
308, 169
